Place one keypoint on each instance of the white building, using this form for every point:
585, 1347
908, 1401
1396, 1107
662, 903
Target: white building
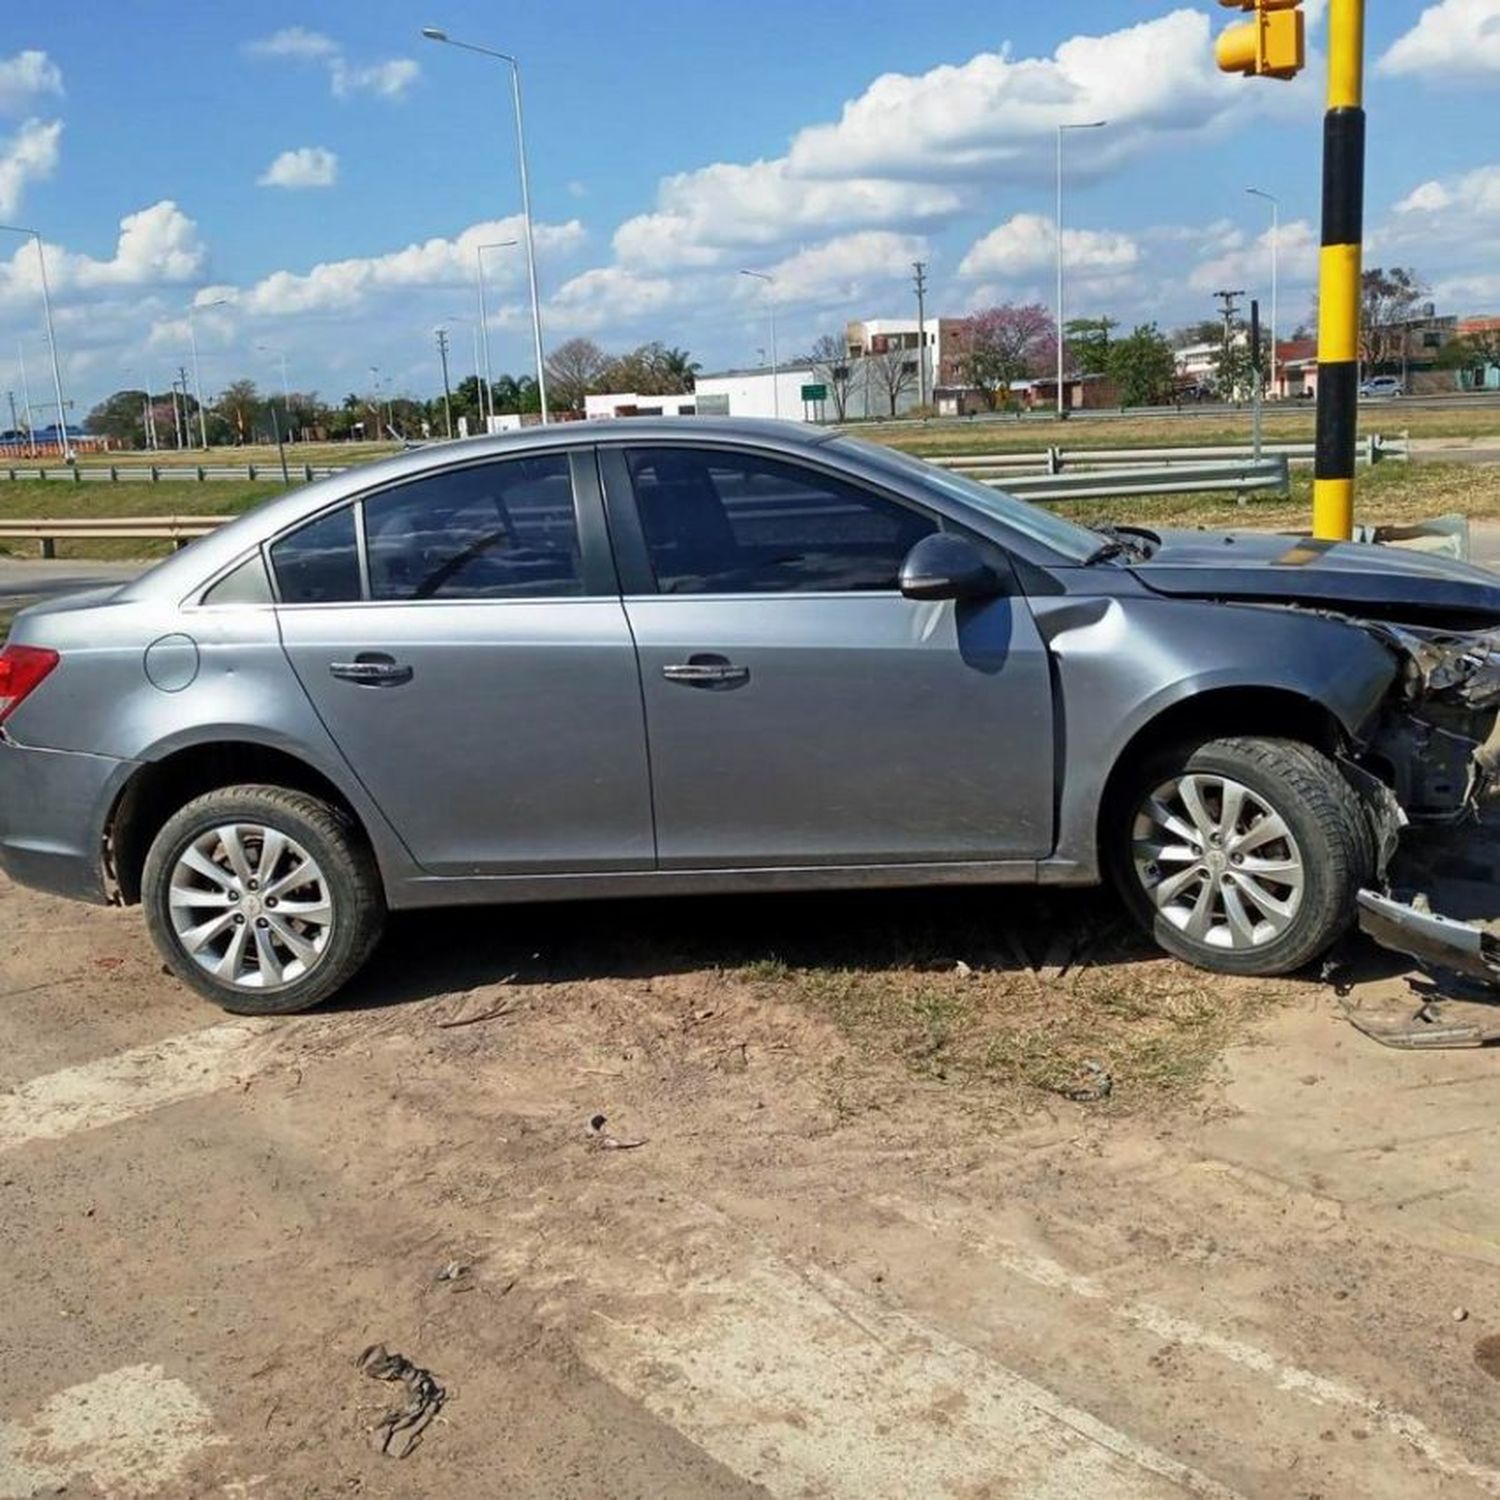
754, 393
630, 404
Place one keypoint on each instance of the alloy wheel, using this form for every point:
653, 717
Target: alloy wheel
1218, 862
250, 906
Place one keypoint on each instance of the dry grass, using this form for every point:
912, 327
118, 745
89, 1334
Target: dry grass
1154, 1028
953, 995
1387, 494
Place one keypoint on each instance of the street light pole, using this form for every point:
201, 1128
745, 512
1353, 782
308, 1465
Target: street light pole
437, 34
770, 282
62, 406
197, 372
26, 398
1085, 125
484, 322
1275, 203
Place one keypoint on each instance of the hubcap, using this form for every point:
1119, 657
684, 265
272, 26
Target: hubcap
1218, 861
250, 906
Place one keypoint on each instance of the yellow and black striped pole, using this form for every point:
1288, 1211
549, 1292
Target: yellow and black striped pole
1339, 273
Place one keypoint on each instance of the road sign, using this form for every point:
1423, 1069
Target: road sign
815, 393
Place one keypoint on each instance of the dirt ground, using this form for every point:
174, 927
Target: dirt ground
853, 1237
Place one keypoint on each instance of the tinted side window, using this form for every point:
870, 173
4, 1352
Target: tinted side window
491, 531
319, 563
723, 522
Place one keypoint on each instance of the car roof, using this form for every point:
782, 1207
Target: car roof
183, 572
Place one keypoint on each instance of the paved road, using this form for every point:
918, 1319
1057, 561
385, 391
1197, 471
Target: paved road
24, 581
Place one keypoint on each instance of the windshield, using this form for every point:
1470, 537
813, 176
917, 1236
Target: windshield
1074, 542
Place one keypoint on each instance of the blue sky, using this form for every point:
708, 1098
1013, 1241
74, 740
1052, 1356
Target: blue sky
327, 173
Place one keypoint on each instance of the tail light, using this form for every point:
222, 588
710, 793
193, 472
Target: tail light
21, 669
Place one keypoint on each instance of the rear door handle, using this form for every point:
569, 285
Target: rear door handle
707, 671
372, 669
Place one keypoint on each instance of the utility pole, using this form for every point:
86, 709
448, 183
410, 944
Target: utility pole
919, 280
1227, 312
178, 414
187, 413
442, 344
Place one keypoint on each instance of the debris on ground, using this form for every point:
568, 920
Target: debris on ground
493, 1012
456, 1271
1091, 1084
600, 1138
400, 1429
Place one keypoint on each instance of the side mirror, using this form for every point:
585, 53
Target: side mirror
944, 566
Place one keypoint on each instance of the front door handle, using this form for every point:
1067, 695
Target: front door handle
705, 670
372, 669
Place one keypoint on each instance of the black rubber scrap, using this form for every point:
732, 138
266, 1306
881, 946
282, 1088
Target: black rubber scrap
406, 1423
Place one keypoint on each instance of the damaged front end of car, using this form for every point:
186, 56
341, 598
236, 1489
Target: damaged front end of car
1434, 751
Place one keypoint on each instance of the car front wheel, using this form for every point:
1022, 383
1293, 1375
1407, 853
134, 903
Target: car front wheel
265, 900
1243, 856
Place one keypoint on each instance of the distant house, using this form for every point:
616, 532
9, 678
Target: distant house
1483, 374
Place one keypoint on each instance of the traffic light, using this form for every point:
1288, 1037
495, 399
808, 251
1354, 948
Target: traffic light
1269, 45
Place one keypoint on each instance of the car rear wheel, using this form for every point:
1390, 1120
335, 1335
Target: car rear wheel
1242, 856
265, 900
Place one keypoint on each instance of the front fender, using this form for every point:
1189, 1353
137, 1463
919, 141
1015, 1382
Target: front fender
1119, 664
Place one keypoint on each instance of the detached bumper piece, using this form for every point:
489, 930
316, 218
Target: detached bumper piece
1437, 943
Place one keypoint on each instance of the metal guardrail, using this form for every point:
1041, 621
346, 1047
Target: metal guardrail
1374, 448
167, 473
48, 531
1270, 472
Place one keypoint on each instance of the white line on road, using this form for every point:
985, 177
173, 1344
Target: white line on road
1298, 1381
112, 1089
132, 1432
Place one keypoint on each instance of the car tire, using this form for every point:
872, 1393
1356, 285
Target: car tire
1214, 882
264, 900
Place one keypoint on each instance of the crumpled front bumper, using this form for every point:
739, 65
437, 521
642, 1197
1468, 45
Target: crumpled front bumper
1424, 935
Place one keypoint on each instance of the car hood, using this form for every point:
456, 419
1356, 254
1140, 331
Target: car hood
1376, 581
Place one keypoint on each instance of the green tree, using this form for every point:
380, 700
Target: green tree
1142, 366
121, 417
1086, 344
1205, 331
237, 408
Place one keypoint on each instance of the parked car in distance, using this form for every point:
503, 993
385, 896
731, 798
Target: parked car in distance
702, 655
1382, 385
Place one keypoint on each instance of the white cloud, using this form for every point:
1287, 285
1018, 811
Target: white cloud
1451, 38
158, 245
613, 296
306, 167
997, 114
30, 155
728, 206
1027, 243
294, 41
384, 80
24, 78
847, 267
1426, 198
1249, 265
346, 285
